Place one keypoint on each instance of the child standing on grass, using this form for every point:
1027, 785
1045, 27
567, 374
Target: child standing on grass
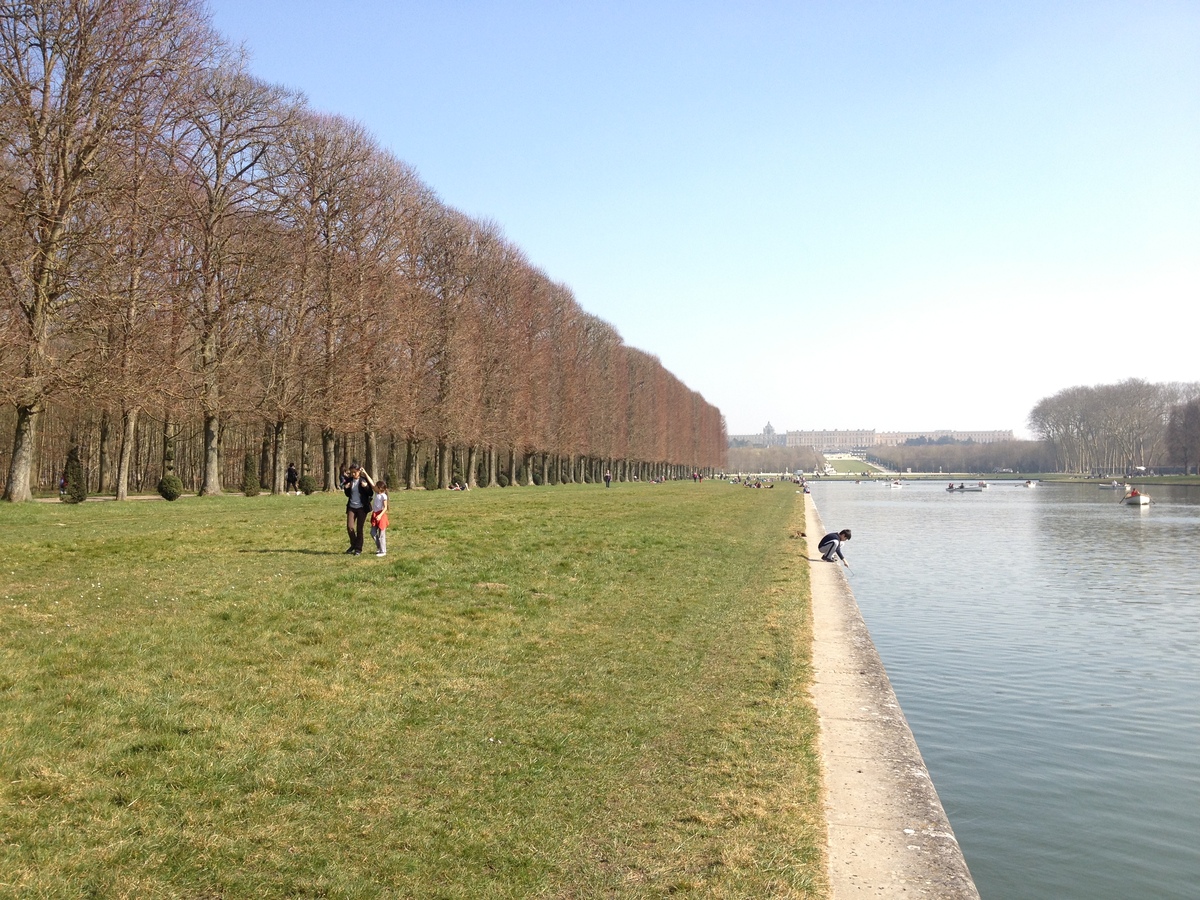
379, 517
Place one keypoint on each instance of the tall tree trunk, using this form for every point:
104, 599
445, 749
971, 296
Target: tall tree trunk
18, 487
412, 456
512, 467
279, 469
491, 467
264, 455
210, 483
390, 470
371, 453
472, 474
545, 468
444, 457
303, 448
168, 446
329, 456
129, 418
105, 475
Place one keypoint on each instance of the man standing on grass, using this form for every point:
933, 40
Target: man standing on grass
831, 544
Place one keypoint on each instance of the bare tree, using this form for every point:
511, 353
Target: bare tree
232, 121
67, 71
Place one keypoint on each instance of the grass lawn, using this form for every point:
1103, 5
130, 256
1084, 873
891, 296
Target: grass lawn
564, 692
851, 466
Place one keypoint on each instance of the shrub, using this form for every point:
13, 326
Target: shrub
250, 485
429, 476
76, 484
502, 479
308, 484
537, 478
170, 487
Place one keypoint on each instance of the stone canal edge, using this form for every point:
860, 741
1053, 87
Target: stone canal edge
887, 833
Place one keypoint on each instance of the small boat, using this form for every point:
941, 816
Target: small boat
1114, 486
1134, 497
976, 488
897, 484
1030, 484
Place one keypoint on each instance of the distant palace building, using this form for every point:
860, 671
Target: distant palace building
765, 438
827, 441
895, 438
860, 439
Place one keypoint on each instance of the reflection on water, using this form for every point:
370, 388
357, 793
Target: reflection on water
1044, 646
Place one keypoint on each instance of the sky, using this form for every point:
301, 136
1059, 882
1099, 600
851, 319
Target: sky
899, 216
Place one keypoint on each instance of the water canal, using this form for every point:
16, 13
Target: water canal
1045, 647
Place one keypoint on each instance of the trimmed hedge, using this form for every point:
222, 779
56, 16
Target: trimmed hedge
170, 487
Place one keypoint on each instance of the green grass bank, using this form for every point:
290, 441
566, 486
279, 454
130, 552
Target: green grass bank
540, 692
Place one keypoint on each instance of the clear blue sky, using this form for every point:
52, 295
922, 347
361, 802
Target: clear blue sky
825, 214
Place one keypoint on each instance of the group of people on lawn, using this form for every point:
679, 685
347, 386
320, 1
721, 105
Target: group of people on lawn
365, 497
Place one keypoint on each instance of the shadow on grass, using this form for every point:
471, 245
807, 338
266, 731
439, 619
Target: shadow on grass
306, 552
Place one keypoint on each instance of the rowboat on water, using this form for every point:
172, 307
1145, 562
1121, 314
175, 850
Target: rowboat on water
1134, 497
978, 487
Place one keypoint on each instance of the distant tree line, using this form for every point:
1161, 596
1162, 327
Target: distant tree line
196, 266
772, 459
1019, 456
943, 440
1116, 428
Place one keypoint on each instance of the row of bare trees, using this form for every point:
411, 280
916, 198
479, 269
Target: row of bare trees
1113, 428
772, 459
182, 241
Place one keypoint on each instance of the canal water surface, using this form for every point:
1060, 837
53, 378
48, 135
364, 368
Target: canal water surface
1045, 646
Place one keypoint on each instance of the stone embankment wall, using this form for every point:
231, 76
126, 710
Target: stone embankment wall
888, 835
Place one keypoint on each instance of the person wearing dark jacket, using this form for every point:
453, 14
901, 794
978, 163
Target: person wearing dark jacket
831, 545
357, 486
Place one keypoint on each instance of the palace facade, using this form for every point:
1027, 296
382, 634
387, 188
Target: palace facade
849, 440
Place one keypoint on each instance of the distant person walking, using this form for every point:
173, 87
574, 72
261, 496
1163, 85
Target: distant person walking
357, 486
831, 545
607, 478
293, 478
